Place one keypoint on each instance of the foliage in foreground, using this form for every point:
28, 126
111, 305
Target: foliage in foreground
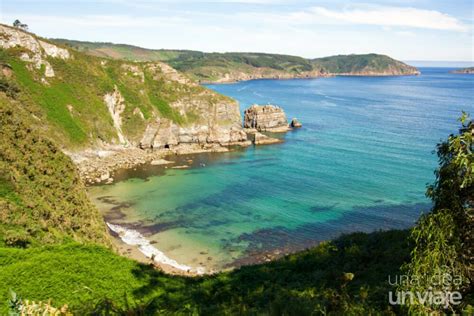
443, 256
348, 275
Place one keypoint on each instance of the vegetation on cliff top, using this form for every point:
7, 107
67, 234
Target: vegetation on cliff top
214, 66
71, 104
363, 64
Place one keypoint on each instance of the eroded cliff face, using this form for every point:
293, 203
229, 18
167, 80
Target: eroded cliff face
145, 105
389, 71
212, 119
116, 105
228, 76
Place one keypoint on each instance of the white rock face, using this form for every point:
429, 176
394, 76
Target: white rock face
13, 37
163, 133
54, 51
116, 105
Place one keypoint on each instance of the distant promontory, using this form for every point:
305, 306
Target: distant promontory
468, 70
232, 67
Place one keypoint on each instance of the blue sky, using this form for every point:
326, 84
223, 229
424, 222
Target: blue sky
406, 30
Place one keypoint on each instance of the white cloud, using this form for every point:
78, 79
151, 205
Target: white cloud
393, 16
309, 32
405, 33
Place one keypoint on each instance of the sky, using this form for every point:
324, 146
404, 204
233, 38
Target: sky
403, 29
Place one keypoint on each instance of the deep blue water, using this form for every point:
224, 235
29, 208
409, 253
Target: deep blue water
361, 162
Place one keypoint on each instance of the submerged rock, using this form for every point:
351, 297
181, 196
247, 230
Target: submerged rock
260, 139
158, 162
295, 123
266, 118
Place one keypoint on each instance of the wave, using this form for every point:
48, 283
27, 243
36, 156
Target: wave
134, 238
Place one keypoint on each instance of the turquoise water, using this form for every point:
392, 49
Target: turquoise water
361, 162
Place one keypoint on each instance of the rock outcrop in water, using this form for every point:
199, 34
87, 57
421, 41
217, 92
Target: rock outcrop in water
468, 70
266, 118
295, 123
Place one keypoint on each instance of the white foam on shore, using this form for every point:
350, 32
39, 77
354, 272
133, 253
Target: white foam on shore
134, 238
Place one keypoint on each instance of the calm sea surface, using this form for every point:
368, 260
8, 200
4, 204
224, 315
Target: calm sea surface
361, 162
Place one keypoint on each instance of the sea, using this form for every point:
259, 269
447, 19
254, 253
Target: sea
361, 162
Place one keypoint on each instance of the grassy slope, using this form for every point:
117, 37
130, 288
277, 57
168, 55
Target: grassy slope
42, 199
311, 281
212, 66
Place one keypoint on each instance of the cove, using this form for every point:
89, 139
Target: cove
361, 162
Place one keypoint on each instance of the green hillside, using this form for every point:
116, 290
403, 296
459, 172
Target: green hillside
217, 67
71, 105
362, 64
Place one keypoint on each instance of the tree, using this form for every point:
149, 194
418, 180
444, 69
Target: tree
17, 23
443, 259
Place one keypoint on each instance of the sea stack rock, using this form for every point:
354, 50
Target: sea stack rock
266, 118
295, 123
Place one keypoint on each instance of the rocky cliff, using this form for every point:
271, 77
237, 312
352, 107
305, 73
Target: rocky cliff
91, 105
223, 75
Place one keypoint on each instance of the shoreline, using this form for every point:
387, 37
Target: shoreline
98, 166
133, 245
328, 75
133, 251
